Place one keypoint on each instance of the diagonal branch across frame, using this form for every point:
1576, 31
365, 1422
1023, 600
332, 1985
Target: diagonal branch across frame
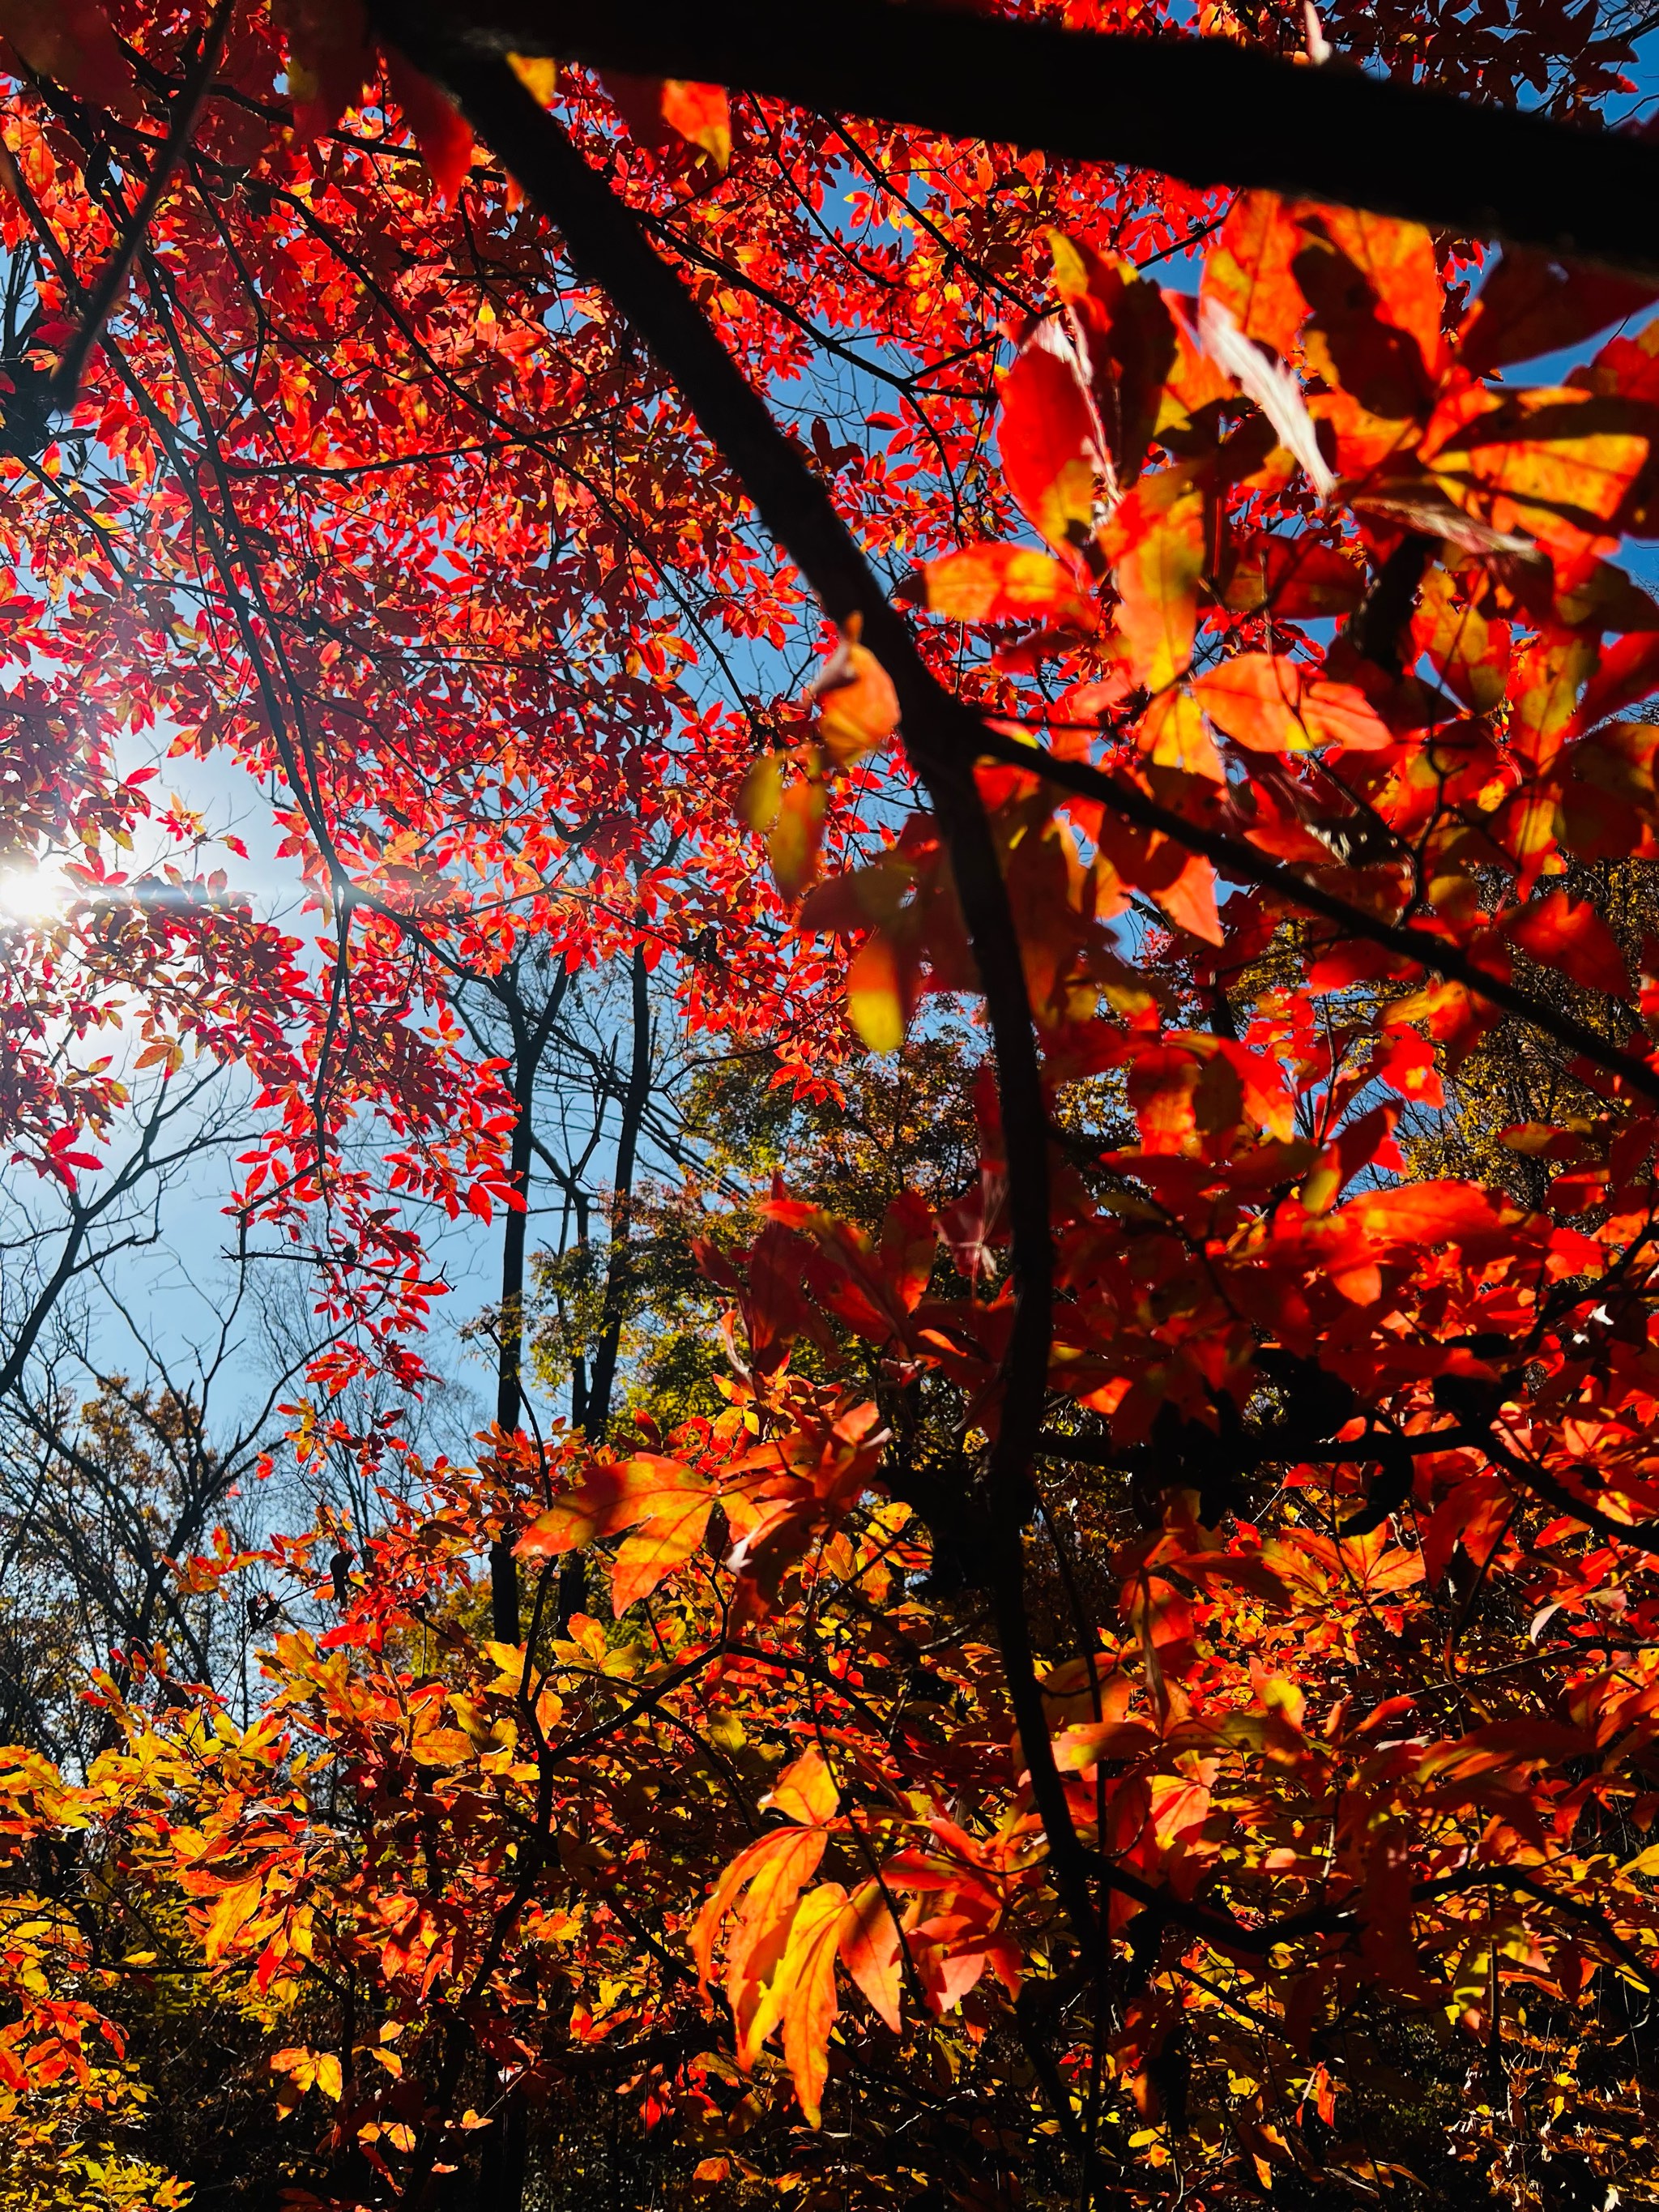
1201, 109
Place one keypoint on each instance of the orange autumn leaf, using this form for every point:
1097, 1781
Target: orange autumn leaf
656, 109
870, 1947
1272, 704
1249, 271
1004, 583
857, 706
539, 74
701, 114
1126, 338
669, 1499
1556, 464
234, 1907
1401, 267
1189, 900
668, 1538
806, 1790
1156, 543
796, 834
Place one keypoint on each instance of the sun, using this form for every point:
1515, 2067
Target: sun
30, 894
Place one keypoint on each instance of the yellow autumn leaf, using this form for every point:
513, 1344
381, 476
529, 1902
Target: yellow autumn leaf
1156, 543
875, 999
806, 1790
235, 1906
539, 74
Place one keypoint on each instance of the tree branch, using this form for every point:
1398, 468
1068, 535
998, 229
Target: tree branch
1242, 863
66, 377
1202, 109
941, 735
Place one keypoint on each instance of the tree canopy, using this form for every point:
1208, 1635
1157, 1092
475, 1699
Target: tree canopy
958, 701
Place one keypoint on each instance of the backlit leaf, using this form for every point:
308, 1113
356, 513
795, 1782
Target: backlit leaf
1004, 583
1272, 704
1049, 440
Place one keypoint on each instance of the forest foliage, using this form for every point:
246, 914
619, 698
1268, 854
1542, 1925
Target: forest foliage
987, 817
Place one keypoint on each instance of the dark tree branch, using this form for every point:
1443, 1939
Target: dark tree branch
530, 1035
636, 1094
66, 377
1242, 863
941, 736
1201, 109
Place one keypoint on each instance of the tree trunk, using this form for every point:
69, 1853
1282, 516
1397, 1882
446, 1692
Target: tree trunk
596, 1409
509, 1374
529, 1044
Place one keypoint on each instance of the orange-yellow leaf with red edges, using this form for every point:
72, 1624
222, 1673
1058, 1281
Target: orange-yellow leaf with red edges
805, 1993
1556, 464
1248, 270
667, 1541
701, 114
1005, 583
613, 1497
1272, 704
1155, 542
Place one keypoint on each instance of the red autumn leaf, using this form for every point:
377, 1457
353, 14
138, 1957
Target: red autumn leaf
1290, 1495
1417, 1216
329, 57
440, 132
1049, 440
1127, 340
72, 41
1572, 937
1627, 671
1295, 579
1530, 304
